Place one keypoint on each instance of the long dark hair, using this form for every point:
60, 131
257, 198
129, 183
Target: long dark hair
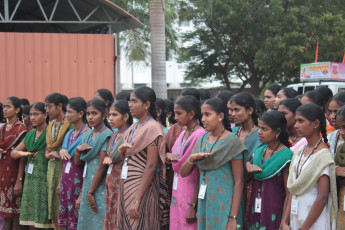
170, 109
56, 99
219, 106
316, 98
122, 107
2, 118
106, 95
17, 105
339, 98
160, 105
190, 103
291, 103
313, 112
246, 100
274, 88
190, 91
147, 94
79, 105
276, 120
100, 106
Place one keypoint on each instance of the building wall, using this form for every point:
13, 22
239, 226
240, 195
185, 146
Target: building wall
33, 65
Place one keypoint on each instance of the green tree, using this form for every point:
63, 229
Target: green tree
259, 42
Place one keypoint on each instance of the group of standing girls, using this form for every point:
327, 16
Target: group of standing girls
118, 165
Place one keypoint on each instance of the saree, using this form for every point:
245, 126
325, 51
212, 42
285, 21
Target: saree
112, 184
305, 188
185, 185
269, 184
54, 139
340, 161
34, 206
153, 208
214, 209
9, 202
87, 219
71, 184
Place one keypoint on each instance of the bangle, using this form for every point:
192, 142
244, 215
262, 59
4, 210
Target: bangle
189, 162
20, 178
233, 217
191, 204
136, 202
18, 153
92, 193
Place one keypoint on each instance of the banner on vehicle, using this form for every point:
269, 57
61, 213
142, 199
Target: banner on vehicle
322, 71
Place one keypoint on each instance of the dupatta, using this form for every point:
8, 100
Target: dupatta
97, 144
184, 149
13, 137
311, 174
251, 142
229, 148
71, 149
53, 146
33, 145
273, 165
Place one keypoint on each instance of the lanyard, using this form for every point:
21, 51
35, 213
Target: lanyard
97, 133
203, 178
72, 139
116, 139
135, 127
298, 172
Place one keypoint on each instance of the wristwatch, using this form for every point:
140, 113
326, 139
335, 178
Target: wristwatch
233, 217
191, 204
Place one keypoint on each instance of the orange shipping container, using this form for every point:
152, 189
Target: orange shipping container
33, 65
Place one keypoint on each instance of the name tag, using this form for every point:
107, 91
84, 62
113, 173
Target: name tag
85, 169
68, 167
202, 191
175, 181
258, 205
294, 206
30, 168
124, 171
110, 169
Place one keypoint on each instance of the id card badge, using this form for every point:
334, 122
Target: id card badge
85, 169
294, 206
30, 168
68, 167
110, 169
124, 171
175, 181
258, 205
202, 191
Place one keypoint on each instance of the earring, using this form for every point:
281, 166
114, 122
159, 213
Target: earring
220, 119
315, 127
277, 137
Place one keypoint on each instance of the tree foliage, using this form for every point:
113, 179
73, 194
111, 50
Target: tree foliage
259, 42
136, 43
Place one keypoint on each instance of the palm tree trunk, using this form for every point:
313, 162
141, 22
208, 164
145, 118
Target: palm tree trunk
158, 55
